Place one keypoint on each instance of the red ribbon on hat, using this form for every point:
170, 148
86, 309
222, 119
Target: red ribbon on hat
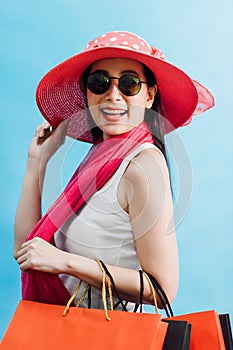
157, 53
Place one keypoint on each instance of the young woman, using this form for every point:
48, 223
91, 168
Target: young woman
121, 95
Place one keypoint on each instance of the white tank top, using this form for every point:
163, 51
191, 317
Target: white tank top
101, 230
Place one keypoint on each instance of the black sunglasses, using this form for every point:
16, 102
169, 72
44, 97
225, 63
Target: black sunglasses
129, 84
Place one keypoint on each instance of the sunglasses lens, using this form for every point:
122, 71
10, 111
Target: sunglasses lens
98, 83
129, 85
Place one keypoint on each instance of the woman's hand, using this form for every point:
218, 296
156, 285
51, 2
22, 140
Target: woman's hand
37, 254
46, 141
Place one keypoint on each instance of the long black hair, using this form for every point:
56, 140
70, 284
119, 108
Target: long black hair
153, 116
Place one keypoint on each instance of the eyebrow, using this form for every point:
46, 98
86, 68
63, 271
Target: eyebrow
129, 71
99, 71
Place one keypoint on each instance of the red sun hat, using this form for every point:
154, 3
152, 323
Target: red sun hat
59, 95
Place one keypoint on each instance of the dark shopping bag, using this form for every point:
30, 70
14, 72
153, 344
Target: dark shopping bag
226, 330
178, 335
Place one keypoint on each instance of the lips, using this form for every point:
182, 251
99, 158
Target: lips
113, 114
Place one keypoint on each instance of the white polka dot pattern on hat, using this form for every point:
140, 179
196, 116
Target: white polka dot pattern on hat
121, 39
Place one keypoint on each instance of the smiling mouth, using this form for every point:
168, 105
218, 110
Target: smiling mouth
113, 113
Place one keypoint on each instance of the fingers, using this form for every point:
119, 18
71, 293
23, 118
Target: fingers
26, 254
40, 130
22, 259
37, 254
24, 248
23, 253
43, 131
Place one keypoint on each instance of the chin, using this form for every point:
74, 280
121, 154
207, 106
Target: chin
114, 130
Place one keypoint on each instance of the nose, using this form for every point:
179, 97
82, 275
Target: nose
113, 94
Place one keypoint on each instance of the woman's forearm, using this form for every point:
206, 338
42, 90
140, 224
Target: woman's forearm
44, 144
29, 206
37, 254
127, 280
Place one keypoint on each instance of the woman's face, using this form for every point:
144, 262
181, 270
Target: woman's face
114, 112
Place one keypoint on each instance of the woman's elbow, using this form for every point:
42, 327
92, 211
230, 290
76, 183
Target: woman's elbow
170, 290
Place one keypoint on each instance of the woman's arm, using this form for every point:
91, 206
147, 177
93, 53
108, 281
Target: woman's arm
43, 145
152, 219
150, 210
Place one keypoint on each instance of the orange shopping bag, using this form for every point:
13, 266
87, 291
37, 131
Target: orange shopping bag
37, 326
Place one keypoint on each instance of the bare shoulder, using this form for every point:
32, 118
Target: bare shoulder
147, 163
145, 180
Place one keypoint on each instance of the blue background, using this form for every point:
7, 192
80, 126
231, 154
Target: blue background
195, 35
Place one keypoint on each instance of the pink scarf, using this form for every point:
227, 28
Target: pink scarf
96, 169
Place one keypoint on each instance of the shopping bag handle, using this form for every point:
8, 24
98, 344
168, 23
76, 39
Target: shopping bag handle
103, 266
73, 296
152, 291
106, 280
159, 292
113, 285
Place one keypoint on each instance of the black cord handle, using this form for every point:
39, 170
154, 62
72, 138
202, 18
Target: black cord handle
161, 295
114, 287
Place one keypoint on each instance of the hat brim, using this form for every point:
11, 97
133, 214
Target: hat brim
59, 95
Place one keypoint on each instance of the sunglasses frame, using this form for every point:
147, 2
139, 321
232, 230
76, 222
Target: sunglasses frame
108, 83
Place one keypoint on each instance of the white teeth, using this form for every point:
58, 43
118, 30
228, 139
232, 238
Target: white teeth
113, 111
